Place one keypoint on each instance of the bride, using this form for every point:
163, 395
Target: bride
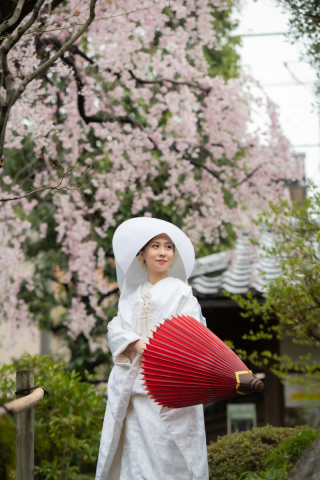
140, 439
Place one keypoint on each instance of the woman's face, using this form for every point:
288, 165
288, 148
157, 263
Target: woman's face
158, 254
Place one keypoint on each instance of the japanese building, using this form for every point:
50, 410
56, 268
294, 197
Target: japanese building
238, 271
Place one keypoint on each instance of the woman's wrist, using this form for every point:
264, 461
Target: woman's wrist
137, 346
140, 346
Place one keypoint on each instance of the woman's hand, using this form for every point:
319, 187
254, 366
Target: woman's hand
137, 346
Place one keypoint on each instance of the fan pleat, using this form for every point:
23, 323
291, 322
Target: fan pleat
216, 344
208, 339
186, 376
186, 364
183, 346
161, 344
159, 355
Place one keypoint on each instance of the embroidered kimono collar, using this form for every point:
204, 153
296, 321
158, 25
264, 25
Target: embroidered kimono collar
145, 289
132, 235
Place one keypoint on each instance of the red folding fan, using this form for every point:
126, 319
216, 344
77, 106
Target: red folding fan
186, 364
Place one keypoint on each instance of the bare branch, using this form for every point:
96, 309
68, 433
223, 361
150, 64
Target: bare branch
52, 187
23, 169
115, 290
74, 49
26, 10
31, 76
16, 14
204, 167
61, 185
123, 119
14, 94
12, 41
41, 30
174, 82
8, 77
214, 174
249, 175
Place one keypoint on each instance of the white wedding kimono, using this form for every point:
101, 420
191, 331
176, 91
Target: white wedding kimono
141, 440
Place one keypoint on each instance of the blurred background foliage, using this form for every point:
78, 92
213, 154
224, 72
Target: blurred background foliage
68, 426
291, 304
304, 28
68, 422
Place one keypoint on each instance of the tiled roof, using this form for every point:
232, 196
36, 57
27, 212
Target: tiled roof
239, 270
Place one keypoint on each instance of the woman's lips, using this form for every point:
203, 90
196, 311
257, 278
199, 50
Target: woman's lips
162, 261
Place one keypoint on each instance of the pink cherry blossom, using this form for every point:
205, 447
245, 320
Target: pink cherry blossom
221, 169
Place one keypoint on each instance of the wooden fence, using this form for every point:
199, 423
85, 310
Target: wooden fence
22, 407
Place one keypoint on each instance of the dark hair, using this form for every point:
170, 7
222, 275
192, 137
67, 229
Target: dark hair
143, 248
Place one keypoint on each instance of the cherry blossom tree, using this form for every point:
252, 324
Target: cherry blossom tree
137, 117
12, 92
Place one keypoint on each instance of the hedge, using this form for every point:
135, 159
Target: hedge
238, 453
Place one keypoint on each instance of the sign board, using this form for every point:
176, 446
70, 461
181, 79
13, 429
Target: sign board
297, 394
241, 417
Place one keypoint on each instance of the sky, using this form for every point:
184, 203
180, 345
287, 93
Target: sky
265, 58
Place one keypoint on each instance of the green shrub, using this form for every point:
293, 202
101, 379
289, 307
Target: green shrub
68, 423
285, 456
233, 456
7, 448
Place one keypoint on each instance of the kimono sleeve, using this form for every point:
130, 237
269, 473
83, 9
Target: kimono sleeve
189, 305
119, 339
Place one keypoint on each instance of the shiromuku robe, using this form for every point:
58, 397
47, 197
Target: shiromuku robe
141, 440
